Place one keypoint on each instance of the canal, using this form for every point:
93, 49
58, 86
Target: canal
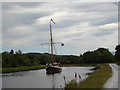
39, 78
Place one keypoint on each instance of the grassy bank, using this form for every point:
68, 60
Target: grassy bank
17, 69
96, 80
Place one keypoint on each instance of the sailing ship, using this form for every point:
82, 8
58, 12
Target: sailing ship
53, 67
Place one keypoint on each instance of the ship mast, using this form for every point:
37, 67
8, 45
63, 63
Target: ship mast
51, 39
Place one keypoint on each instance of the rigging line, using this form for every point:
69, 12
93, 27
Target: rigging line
42, 48
60, 50
49, 49
55, 49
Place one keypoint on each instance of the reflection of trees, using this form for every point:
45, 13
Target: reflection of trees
53, 81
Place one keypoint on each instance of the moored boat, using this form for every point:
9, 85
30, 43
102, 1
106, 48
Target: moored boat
53, 67
50, 69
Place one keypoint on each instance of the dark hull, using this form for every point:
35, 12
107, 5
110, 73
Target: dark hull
52, 70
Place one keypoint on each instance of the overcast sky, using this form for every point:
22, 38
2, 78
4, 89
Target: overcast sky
81, 26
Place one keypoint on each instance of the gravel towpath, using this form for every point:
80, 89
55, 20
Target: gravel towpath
113, 81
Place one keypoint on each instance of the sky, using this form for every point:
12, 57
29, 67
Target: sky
81, 26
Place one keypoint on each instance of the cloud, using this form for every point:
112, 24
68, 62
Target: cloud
81, 26
0, 26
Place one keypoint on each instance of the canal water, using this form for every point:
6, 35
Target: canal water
39, 78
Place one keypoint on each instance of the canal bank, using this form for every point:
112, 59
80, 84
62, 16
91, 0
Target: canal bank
37, 67
18, 69
39, 79
95, 80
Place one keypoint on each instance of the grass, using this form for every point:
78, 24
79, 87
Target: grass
17, 69
118, 63
95, 80
71, 84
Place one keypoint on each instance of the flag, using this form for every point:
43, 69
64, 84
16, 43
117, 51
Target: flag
52, 21
62, 44
75, 75
79, 75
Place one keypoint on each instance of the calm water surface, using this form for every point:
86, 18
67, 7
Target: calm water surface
39, 78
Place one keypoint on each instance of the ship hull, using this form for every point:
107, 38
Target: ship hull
52, 70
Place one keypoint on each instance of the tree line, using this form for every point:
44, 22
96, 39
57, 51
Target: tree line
19, 59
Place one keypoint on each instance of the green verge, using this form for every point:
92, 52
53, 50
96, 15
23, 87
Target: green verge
95, 80
28, 68
18, 69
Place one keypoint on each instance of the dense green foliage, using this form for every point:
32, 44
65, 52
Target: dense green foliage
18, 59
9, 59
101, 55
117, 53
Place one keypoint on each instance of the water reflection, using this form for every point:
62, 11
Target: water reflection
22, 73
39, 78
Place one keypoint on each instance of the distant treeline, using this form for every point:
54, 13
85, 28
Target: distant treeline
19, 59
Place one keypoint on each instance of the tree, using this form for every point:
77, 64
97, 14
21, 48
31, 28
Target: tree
117, 53
19, 52
12, 51
101, 55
